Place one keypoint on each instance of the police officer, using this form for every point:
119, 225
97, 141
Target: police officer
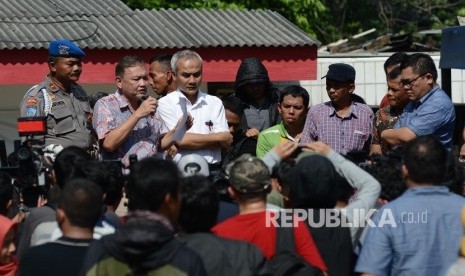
58, 98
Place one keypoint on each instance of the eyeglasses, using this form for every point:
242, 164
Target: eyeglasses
462, 158
409, 83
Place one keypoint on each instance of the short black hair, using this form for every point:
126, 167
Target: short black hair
388, 171
81, 200
115, 181
394, 59
394, 73
426, 160
233, 104
282, 173
164, 59
65, 161
295, 91
200, 204
92, 170
150, 181
421, 64
127, 62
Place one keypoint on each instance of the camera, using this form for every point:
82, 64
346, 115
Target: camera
27, 165
220, 181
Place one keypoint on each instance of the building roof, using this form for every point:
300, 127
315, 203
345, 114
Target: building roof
110, 24
45, 8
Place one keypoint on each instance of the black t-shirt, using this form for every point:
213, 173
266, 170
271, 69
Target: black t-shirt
64, 256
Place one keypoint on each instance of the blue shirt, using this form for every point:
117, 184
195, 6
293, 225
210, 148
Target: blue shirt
425, 239
433, 114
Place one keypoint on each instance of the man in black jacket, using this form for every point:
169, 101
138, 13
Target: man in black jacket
146, 243
200, 202
260, 97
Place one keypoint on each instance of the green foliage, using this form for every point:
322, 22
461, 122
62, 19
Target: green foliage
331, 20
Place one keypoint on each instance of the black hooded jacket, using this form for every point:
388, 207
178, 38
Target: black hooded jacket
252, 71
140, 247
314, 187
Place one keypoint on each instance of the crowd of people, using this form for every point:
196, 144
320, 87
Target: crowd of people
256, 183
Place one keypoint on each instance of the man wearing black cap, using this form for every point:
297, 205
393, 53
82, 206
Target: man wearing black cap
342, 123
58, 98
250, 182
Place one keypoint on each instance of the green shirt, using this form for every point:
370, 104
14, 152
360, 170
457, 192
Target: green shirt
271, 137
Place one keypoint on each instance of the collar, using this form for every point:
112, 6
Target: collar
353, 111
423, 99
428, 189
152, 216
283, 132
50, 85
122, 101
74, 242
201, 97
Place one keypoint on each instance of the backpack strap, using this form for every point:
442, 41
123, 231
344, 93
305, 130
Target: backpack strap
285, 238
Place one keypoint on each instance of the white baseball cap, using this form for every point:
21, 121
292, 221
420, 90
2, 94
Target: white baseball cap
193, 164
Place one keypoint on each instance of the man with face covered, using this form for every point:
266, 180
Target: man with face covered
259, 95
60, 99
342, 123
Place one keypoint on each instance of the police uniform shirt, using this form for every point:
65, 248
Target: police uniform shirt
67, 113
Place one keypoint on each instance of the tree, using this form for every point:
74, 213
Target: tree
331, 20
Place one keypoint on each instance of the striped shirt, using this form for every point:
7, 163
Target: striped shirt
343, 135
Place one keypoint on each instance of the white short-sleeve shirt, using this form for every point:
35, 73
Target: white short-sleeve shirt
208, 115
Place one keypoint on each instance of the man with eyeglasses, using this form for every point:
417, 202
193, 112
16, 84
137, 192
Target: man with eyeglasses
430, 111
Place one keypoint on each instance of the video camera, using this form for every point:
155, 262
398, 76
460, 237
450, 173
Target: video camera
27, 165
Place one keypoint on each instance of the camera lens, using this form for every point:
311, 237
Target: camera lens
23, 153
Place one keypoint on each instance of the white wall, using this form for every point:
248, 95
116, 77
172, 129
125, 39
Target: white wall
370, 78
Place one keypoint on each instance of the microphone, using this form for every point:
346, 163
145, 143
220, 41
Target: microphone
143, 98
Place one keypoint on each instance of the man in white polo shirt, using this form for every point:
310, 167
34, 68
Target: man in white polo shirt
209, 132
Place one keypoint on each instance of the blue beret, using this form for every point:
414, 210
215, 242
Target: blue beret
64, 48
340, 72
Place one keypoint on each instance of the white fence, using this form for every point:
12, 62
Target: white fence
370, 78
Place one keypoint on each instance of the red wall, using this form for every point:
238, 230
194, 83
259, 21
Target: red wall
220, 64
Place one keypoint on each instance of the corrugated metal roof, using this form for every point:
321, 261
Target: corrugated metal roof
148, 29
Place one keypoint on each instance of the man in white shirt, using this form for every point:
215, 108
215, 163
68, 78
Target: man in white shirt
209, 132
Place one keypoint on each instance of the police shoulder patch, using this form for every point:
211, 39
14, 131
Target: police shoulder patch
31, 102
31, 111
